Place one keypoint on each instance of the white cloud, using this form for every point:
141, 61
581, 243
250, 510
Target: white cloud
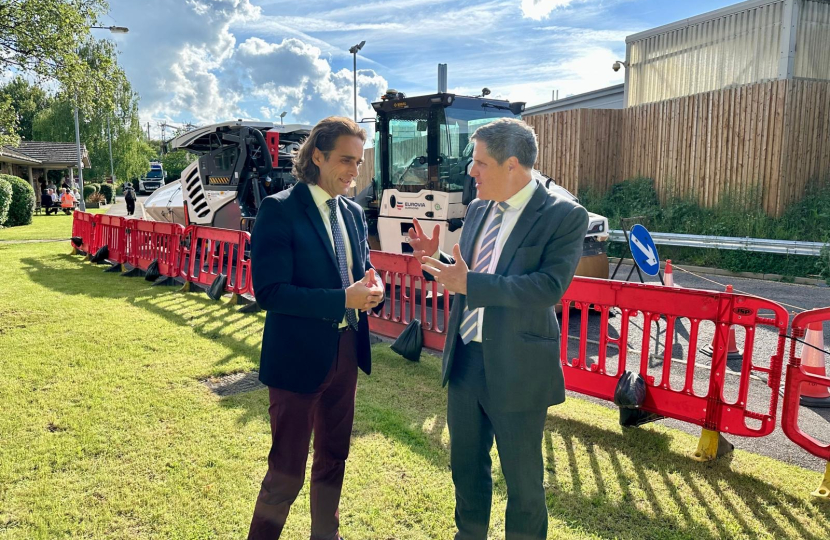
293, 76
186, 62
540, 9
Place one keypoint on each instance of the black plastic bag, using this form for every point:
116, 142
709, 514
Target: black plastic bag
410, 342
637, 417
217, 288
631, 391
101, 255
153, 272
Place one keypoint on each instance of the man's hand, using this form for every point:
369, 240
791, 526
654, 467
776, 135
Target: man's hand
360, 295
373, 282
451, 276
423, 245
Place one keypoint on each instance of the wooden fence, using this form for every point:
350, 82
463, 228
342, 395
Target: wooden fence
764, 140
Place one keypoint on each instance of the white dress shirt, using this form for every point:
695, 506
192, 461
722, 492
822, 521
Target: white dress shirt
320, 197
517, 204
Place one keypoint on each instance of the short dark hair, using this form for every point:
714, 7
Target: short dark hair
323, 137
508, 137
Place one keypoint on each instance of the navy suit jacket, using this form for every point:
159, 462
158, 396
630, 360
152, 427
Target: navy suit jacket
297, 281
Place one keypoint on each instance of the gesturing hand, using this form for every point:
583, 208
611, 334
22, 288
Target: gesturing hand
423, 245
451, 276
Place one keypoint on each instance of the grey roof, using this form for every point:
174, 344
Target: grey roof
53, 152
610, 97
11, 152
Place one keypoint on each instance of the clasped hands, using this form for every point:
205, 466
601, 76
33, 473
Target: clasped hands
452, 276
366, 293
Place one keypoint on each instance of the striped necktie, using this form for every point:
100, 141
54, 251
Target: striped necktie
340, 251
469, 320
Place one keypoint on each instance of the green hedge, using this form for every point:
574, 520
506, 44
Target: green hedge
22, 202
89, 189
5, 200
107, 191
96, 186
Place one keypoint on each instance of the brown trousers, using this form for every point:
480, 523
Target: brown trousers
328, 412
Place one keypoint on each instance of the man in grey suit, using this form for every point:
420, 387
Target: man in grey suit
501, 357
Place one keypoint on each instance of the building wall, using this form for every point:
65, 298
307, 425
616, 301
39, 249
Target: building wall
729, 49
813, 41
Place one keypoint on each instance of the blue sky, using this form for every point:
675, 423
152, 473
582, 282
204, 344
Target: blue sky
205, 61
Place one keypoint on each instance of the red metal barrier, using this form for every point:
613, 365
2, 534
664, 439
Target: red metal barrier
152, 240
796, 376
112, 232
407, 286
711, 410
208, 252
84, 227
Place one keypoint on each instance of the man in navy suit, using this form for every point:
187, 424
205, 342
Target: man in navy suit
312, 274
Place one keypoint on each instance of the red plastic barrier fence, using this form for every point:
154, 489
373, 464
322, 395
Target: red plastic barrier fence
84, 226
208, 252
152, 240
709, 409
796, 377
410, 297
112, 232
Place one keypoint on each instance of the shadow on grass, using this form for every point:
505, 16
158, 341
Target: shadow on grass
644, 489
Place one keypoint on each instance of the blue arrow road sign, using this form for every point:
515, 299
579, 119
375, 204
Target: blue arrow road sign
643, 250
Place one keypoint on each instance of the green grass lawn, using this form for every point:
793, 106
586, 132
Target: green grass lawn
106, 431
45, 227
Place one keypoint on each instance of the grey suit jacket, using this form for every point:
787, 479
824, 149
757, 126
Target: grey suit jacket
520, 338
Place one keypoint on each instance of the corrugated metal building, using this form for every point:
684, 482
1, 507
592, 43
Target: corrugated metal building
750, 42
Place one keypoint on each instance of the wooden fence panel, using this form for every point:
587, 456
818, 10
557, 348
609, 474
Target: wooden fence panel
765, 140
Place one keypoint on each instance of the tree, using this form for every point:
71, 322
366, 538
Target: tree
26, 100
46, 39
175, 162
131, 153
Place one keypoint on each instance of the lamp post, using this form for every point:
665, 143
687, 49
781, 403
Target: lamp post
82, 203
354, 50
282, 115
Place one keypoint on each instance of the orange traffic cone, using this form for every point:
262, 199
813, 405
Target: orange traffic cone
668, 275
812, 361
733, 353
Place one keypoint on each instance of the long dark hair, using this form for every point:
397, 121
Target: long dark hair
323, 137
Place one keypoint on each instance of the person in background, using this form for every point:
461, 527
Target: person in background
46, 202
67, 201
129, 198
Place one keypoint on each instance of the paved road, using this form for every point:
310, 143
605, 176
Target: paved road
119, 207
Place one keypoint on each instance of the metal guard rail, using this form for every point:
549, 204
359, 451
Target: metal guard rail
757, 245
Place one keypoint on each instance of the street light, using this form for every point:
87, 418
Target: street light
82, 204
282, 115
354, 50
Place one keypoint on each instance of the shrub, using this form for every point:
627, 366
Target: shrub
5, 199
106, 191
741, 216
22, 204
96, 186
88, 190
96, 198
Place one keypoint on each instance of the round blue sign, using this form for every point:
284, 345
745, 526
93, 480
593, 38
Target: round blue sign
643, 250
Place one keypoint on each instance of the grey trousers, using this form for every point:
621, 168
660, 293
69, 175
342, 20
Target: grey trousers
473, 422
